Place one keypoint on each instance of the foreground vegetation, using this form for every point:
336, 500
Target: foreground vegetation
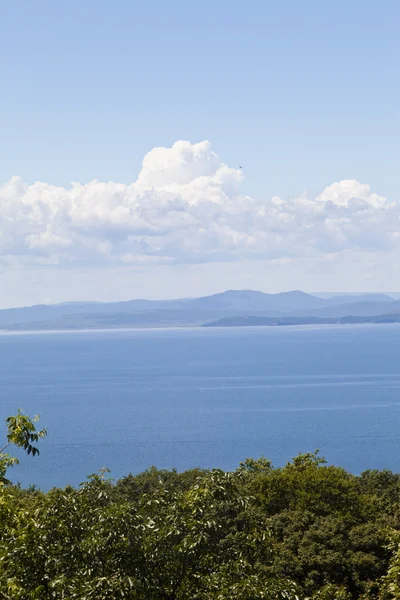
307, 530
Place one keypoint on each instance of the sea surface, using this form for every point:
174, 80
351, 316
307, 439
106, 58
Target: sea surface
183, 398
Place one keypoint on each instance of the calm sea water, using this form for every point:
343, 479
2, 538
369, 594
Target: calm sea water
204, 397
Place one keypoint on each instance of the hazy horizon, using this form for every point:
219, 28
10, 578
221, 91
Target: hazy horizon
322, 295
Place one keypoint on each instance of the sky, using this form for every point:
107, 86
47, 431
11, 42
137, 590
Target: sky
123, 126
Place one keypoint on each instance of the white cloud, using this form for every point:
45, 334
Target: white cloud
47, 240
186, 206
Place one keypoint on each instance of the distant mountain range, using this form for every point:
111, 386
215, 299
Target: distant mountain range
233, 307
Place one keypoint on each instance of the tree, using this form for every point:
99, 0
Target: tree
305, 531
199, 544
22, 433
390, 584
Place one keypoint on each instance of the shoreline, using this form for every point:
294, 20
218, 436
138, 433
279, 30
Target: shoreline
5, 332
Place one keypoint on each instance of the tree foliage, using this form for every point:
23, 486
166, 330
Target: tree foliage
21, 433
304, 531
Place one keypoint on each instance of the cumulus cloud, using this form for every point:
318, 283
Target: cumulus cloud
186, 206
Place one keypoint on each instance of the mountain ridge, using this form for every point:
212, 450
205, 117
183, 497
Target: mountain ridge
232, 304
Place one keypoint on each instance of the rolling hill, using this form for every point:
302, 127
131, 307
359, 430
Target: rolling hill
195, 311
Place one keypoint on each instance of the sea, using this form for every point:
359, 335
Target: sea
183, 398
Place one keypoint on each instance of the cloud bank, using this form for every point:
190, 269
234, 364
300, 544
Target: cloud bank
186, 207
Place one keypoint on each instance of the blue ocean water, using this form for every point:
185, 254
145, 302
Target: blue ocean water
204, 397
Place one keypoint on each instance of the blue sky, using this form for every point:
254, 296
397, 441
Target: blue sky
303, 94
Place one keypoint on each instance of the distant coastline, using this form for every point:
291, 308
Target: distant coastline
223, 324
291, 321
233, 308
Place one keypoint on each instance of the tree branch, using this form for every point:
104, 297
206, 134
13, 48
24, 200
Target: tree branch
4, 447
